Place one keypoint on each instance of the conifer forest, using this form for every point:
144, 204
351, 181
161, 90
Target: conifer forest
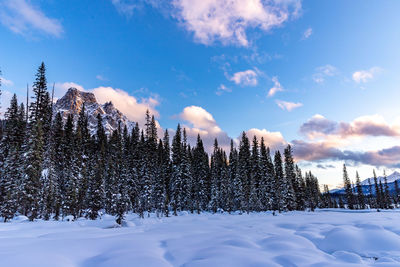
51, 168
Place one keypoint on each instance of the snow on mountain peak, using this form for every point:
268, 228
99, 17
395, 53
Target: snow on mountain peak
74, 100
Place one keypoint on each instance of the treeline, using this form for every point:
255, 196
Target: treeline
378, 194
50, 169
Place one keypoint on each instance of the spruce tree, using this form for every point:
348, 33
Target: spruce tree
377, 192
348, 189
244, 170
291, 181
176, 178
280, 185
360, 194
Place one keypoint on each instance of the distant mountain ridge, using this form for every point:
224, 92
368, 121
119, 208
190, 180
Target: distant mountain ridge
395, 176
72, 103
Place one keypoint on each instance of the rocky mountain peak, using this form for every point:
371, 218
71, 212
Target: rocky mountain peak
74, 100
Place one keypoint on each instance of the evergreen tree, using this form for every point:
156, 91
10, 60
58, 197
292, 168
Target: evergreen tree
348, 189
397, 192
255, 192
176, 178
244, 171
290, 178
96, 184
386, 192
280, 185
360, 194
377, 192
200, 176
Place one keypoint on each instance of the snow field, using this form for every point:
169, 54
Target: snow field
321, 238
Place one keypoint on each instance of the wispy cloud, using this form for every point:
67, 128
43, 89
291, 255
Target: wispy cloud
227, 20
5, 82
289, 106
21, 17
363, 76
323, 72
247, 78
223, 89
101, 78
374, 125
276, 88
307, 33
126, 7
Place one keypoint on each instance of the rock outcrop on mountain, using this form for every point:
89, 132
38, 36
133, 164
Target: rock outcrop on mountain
72, 103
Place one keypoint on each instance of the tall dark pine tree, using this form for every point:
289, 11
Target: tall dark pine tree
11, 172
244, 171
280, 188
396, 192
35, 144
186, 174
237, 187
200, 176
82, 143
96, 184
360, 194
70, 201
386, 193
291, 181
377, 192
166, 172
57, 162
255, 190
348, 189
176, 178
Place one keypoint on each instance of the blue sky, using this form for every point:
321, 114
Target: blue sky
322, 75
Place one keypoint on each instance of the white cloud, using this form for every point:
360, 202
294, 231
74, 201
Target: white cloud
274, 140
101, 78
307, 33
223, 89
22, 17
323, 72
127, 104
5, 102
247, 78
126, 7
289, 106
228, 20
5, 82
363, 76
276, 88
203, 123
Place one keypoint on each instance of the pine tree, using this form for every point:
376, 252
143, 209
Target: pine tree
348, 189
360, 194
11, 173
397, 192
386, 192
237, 186
280, 190
290, 178
70, 198
200, 176
244, 171
166, 172
96, 184
176, 179
255, 200
216, 169
377, 192
186, 175
370, 195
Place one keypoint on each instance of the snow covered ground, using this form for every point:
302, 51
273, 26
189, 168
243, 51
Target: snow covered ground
322, 238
